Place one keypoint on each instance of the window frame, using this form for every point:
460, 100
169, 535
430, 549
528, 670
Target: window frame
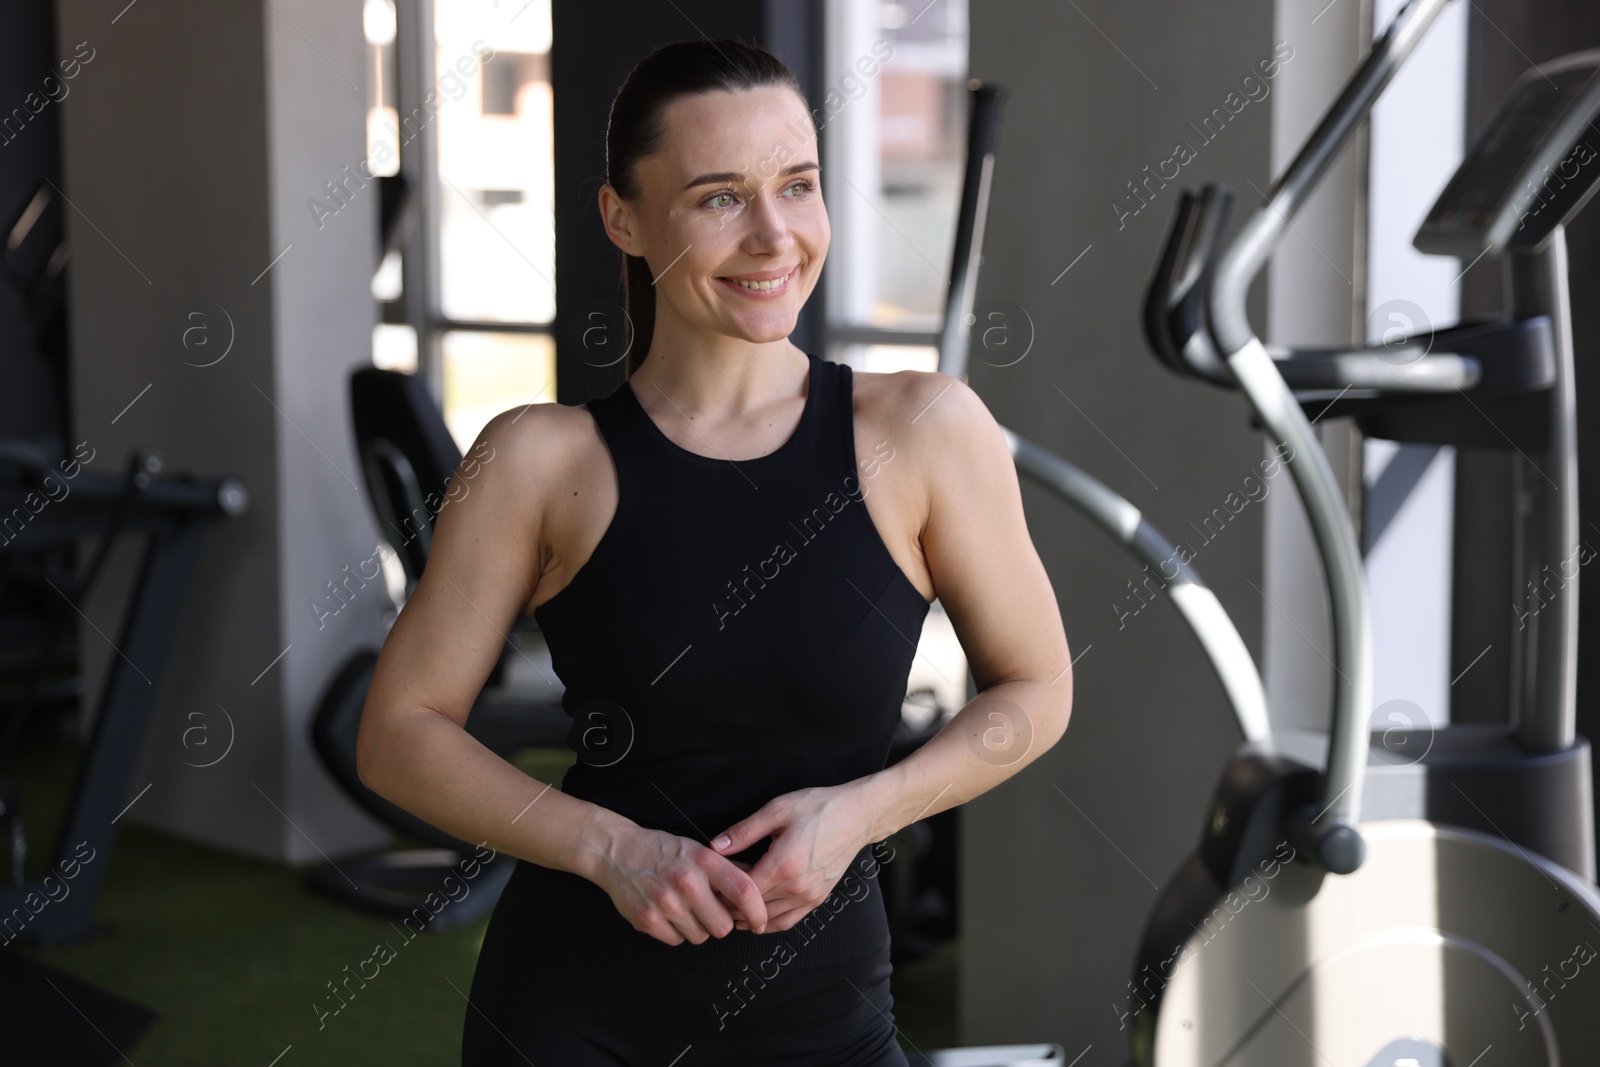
421, 304
835, 53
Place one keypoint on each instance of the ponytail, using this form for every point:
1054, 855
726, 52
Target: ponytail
639, 301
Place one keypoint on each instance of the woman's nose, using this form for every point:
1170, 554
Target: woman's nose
768, 224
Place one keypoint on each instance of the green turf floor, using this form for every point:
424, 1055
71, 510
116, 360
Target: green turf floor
234, 955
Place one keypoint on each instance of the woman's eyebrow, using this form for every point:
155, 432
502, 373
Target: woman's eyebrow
732, 176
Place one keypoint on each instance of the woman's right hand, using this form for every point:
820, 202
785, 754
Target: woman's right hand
677, 890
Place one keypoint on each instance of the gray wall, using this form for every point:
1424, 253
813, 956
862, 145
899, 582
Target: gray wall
1061, 863
192, 142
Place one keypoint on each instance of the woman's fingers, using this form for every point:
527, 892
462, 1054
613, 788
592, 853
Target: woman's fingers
696, 924
785, 919
796, 908
658, 881
698, 894
737, 887
688, 906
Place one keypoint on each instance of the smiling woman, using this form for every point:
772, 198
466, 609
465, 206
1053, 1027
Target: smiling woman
713, 858
704, 234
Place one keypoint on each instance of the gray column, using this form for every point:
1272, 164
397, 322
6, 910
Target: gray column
193, 141
1315, 284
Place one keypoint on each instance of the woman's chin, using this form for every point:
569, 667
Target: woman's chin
763, 329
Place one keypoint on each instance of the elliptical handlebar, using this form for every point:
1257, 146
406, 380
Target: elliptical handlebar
1124, 523
1175, 324
1174, 307
1247, 253
987, 102
1336, 843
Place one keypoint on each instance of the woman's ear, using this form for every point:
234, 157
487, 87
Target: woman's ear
616, 214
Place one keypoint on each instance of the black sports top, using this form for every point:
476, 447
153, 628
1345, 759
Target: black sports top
739, 632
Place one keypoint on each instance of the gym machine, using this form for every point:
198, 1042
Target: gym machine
1458, 907
48, 499
1421, 913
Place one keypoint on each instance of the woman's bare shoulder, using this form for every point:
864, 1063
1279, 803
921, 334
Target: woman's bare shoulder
908, 431
547, 443
930, 405
561, 474
526, 461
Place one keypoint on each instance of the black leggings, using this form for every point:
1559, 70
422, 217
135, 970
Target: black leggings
561, 983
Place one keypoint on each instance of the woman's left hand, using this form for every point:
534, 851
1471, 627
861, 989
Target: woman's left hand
815, 834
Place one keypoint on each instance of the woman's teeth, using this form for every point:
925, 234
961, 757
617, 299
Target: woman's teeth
775, 283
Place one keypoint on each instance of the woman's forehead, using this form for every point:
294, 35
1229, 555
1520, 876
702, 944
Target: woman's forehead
722, 131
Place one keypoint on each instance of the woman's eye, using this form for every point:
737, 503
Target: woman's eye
805, 187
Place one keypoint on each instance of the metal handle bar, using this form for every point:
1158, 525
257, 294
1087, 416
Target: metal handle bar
1336, 844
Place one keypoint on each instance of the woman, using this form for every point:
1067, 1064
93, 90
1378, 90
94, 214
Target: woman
731, 557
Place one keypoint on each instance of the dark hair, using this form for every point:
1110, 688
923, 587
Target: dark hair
635, 129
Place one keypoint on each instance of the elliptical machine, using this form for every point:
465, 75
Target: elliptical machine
1373, 913
1425, 948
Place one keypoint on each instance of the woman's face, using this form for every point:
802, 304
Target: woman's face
734, 192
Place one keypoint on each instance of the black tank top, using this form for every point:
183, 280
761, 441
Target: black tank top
739, 632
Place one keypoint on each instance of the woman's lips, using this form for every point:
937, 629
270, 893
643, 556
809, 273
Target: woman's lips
762, 294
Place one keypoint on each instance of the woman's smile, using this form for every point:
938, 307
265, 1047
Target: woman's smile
763, 285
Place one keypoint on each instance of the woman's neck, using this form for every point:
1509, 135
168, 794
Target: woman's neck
719, 382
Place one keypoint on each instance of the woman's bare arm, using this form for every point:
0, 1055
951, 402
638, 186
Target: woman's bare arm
482, 569
490, 542
990, 580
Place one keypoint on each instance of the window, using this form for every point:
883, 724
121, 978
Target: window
496, 165
506, 78
485, 373
496, 217
892, 110
467, 285
379, 21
